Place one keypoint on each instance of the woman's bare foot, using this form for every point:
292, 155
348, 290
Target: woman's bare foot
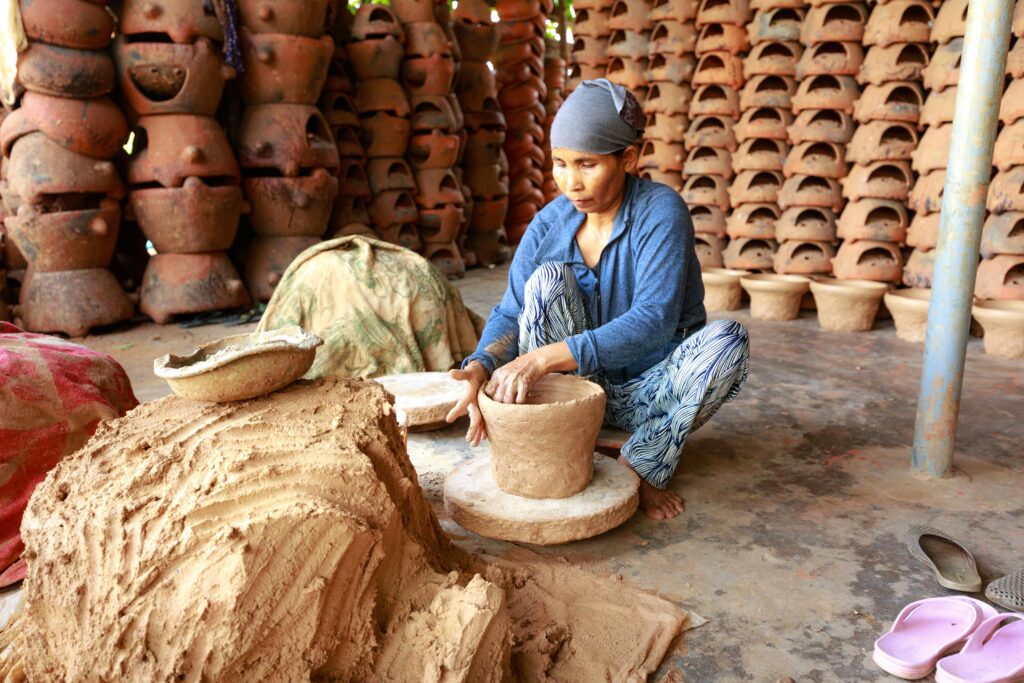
658, 504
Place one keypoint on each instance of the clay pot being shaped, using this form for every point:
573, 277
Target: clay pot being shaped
294, 17
625, 44
773, 296
782, 24
282, 68
902, 101
705, 161
1000, 277
166, 78
831, 58
72, 301
823, 159
745, 253
291, 207
933, 151
665, 127
842, 22
800, 257
172, 147
385, 135
675, 10
811, 191
709, 250
763, 122
775, 58
950, 22
822, 125
706, 190
390, 174
671, 38
721, 38
826, 92
768, 91
760, 187
807, 224
376, 57
919, 268
1006, 193
381, 95
1003, 322
183, 21
715, 100
629, 73
433, 150
192, 218
760, 154
882, 220
1009, 148
66, 240
673, 69
1003, 234
711, 131
721, 68
899, 21
735, 12
878, 180
286, 137
667, 98
268, 259
66, 72
753, 220
722, 290
909, 310
943, 71
881, 141
709, 220
847, 305
923, 232
375, 21
94, 128
40, 168
899, 62
868, 260
68, 23
526, 459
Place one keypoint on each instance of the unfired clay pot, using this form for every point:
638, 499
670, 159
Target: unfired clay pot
544, 448
909, 310
847, 305
1004, 327
775, 297
722, 290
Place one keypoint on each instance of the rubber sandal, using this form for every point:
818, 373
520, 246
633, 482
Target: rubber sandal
994, 654
927, 630
1008, 591
953, 565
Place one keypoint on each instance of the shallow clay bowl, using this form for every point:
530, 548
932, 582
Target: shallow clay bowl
241, 366
544, 448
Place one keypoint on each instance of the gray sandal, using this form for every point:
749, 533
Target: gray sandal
953, 565
1008, 591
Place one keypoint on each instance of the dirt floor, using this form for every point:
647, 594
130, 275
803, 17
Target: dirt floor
798, 495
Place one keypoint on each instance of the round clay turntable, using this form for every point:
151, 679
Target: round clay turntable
424, 397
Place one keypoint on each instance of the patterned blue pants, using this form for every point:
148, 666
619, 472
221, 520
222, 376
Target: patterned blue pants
667, 401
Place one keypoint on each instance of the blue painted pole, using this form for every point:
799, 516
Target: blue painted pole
982, 70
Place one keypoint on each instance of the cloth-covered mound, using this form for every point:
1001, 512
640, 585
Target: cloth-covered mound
379, 308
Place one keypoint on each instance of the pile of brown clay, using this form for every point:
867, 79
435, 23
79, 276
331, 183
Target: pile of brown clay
286, 538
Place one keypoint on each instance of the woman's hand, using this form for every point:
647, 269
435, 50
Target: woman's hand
474, 375
511, 383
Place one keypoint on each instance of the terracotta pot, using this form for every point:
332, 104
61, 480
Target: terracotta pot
629, 73
704, 161
673, 69
722, 38
66, 72
381, 95
479, 41
826, 92
900, 21
756, 187
808, 224
172, 147
822, 125
433, 150
385, 135
768, 91
268, 259
672, 38
919, 268
352, 229
1015, 60
753, 220
72, 301
779, 24
376, 21
933, 151
715, 100
390, 174
923, 232
183, 22
1004, 327
1006, 193
192, 218
425, 39
883, 220
1009, 148
943, 71
483, 148
950, 22
1000, 277
40, 168
352, 179
760, 154
765, 5
430, 112
802, 257
394, 207
66, 240
282, 68
630, 15
1003, 234
409, 11
291, 207
488, 214
665, 127
926, 195
723, 12
830, 58
776, 58
673, 179
899, 62
432, 75
868, 260
591, 23
909, 310
840, 22
287, 137
706, 190
585, 72
94, 128
709, 250
708, 220
847, 305
676, 10
880, 141
722, 290
490, 248
438, 187
294, 17
745, 253
1011, 108
625, 44
902, 101
348, 210
446, 258
711, 131
775, 297
719, 68
441, 224
476, 83
667, 98
165, 78
339, 78
346, 139
69, 23
811, 191
823, 159
376, 57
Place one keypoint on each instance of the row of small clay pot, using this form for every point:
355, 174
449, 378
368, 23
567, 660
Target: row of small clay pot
554, 81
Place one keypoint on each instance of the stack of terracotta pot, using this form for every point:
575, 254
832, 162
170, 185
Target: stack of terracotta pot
588, 58
630, 26
670, 65
12, 262
485, 167
554, 81
710, 139
519, 61
286, 149
62, 191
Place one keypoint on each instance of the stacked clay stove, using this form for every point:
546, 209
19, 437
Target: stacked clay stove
630, 25
484, 164
588, 58
286, 149
519, 61
711, 140
554, 83
61, 189
888, 114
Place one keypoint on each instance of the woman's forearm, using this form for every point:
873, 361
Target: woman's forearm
556, 358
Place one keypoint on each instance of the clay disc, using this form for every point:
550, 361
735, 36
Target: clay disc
424, 397
476, 503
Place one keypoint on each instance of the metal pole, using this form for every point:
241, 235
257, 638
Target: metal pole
982, 72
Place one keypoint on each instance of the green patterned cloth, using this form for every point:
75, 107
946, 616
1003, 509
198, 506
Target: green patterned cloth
379, 308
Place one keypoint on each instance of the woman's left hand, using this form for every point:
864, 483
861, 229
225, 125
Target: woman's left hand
511, 383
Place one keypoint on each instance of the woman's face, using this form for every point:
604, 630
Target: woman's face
592, 182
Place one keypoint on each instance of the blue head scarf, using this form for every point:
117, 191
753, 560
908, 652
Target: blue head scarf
599, 117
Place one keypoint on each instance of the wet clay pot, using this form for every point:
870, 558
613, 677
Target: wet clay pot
899, 62
1003, 234
190, 283
775, 297
709, 250
745, 253
268, 259
94, 128
286, 137
40, 167
284, 68
722, 290
883, 220
66, 240
66, 72
799, 257
715, 100
291, 207
822, 125
810, 190
165, 78
172, 147
847, 305
192, 218
1004, 327
72, 301
808, 224
1000, 277
868, 260
761, 187
544, 448
768, 91
183, 21
295, 17
376, 57
909, 310
902, 101
878, 180
385, 135
753, 220
69, 23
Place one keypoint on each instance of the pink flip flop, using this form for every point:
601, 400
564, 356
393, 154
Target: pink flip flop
927, 630
993, 654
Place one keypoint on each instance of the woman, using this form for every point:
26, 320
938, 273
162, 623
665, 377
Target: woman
606, 284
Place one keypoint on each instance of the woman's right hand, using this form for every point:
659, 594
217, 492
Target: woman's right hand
475, 376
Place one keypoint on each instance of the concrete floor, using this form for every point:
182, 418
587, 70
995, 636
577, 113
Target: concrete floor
798, 495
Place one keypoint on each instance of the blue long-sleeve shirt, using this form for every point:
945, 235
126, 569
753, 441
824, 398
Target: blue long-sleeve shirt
645, 291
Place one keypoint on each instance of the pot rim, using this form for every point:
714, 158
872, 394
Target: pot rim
775, 282
854, 288
999, 310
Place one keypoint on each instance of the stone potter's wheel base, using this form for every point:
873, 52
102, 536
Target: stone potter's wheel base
476, 503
